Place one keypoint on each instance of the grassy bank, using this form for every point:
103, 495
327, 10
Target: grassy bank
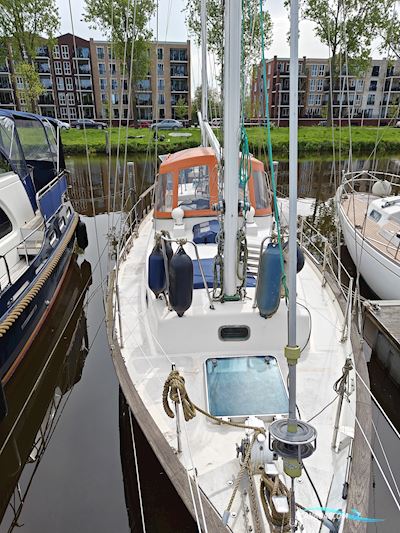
312, 140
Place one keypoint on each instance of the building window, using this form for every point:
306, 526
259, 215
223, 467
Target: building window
368, 113
373, 85
100, 52
321, 70
312, 85
58, 68
61, 98
116, 113
102, 68
56, 51
60, 84
103, 84
113, 69
178, 54
114, 85
72, 112
64, 112
371, 99
64, 51
178, 70
317, 99
360, 85
111, 54
375, 70
103, 98
311, 99
69, 84
20, 82
161, 99
320, 85
160, 54
67, 68
71, 98
161, 84
160, 69
314, 70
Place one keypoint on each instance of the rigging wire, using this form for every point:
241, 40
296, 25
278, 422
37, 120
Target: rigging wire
86, 144
137, 472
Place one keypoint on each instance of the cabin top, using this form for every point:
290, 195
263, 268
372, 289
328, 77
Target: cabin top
189, 179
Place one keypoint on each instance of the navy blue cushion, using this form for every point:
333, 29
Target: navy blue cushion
208, 268
206, 232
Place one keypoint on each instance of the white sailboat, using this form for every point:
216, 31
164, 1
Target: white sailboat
201, 347
369, 216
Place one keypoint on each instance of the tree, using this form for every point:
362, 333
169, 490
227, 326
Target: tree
181, 108
215, 24
347, 28
214, 104
23, 26
391, 35
125, 23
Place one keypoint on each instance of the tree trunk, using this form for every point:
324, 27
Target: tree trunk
332, 84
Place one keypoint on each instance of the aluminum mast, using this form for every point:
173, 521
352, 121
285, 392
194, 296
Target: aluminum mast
233, 26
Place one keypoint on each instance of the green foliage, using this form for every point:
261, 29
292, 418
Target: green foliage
215, 27
350, 25
24, 23
32, 87
214, 104
391, 36
181, 108
312, 140
126, 25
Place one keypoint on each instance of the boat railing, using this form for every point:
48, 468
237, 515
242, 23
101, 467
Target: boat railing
49, 197
325, 257
24, 252
353, 181
132, 219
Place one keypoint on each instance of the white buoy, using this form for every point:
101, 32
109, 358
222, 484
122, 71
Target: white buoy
382, 188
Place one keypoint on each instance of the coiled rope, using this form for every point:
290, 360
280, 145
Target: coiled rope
7, 323
174, 387
272, 486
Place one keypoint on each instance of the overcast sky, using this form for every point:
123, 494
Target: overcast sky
172, 27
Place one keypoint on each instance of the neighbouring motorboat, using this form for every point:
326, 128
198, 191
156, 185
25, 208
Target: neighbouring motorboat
368, 206
38, 229
199, 308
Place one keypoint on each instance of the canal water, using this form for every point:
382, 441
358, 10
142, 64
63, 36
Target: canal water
66, 447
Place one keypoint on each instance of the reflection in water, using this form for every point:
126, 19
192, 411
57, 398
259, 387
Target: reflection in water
39, 390
104, 182
162, 507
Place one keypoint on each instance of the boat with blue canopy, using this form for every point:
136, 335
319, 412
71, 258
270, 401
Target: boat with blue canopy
38, 229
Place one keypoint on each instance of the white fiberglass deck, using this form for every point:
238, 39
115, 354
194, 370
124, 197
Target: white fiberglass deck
154, 337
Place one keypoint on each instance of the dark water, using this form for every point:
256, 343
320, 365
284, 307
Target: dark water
67, 463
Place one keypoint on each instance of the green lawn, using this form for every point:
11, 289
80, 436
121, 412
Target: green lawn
312, 140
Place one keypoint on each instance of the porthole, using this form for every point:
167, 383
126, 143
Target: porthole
234, 333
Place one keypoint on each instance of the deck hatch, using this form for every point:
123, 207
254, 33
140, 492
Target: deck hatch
245, 385
234, 333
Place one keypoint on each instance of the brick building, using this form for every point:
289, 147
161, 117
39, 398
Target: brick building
372, 95
89, 83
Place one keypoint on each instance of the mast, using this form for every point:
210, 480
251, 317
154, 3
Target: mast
293, 439
233, 19
204, 77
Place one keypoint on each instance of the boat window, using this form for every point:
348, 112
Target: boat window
375, 215
5, 224
244, 386
164, 193
241, 192
5, 165
194, 188
33, 140
10, 146
260, 190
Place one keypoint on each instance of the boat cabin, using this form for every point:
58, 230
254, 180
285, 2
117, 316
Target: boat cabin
189, 179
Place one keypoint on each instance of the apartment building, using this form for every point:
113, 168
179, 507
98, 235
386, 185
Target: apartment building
90, 82
371, 95
157, 95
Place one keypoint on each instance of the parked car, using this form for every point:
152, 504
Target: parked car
62, 125
397, 125
87, 123
215, 123
322, 123
142, 124
167, 124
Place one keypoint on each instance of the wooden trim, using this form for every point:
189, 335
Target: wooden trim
164, 453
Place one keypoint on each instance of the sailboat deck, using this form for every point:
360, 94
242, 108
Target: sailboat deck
355, 207
154, 338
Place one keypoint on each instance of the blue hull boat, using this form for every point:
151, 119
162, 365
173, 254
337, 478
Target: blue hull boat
38, 230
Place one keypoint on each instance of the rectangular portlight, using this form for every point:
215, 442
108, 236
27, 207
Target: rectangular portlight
245, 385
